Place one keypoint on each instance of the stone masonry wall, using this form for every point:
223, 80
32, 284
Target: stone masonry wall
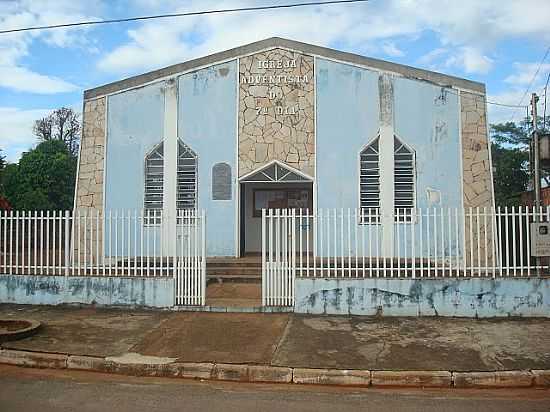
478, 189
276, 110
90, 172
89, 196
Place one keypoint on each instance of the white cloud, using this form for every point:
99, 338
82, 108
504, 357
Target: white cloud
14, 47
468, 30
500, 114
468, 59
431, 57
525, 73
25, 80
517, 92
392, 50
16, 135
471, 60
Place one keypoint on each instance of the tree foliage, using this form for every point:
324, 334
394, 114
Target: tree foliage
43, 179
2, 167
62, 124
511, 174
510, 150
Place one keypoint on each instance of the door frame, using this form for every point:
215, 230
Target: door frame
240, 237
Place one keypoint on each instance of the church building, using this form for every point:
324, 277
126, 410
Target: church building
279, 124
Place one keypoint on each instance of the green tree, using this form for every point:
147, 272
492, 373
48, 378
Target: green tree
510, 150
43, 179
61, 124
511, 174
2, 167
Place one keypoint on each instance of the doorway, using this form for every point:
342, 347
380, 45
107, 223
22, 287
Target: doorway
274, 186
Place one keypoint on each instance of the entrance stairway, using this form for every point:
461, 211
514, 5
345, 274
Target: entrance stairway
234, 282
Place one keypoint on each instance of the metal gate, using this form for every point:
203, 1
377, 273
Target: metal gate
278, 257
191, 258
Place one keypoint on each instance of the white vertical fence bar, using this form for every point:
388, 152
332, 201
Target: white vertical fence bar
433, 242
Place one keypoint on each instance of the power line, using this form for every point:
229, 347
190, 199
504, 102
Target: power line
545, 94
514, 106
222, 11
532, 80
193, 13
464, 96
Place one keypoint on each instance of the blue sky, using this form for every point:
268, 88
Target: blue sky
498, 42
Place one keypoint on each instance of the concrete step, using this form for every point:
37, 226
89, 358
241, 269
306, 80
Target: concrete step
243, 295
211, 279
233, 270
234, 262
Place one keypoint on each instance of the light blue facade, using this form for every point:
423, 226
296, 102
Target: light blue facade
476, 297
347, 108
426, 117
135, 125
96, 290
207, 124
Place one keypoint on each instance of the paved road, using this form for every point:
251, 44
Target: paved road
34, 390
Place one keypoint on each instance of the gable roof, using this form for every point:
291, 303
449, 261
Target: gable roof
274, 42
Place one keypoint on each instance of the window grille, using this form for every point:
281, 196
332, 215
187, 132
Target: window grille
186, 193
154, 180
186, 187
404, 181
369, 176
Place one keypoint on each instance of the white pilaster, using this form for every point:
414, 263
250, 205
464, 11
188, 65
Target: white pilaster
170, 165
385, 88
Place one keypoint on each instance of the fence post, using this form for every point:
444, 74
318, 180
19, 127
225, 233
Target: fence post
67, 243
203, 275
263, 255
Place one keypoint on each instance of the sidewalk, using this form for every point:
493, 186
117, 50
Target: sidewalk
289, 340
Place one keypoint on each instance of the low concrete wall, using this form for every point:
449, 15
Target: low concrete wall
55, 290
426, 297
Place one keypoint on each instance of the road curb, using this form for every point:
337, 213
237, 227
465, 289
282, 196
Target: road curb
413, 379
33, 359
331, 377
496, 379
280, 374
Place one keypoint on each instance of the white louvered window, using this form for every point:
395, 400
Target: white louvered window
369, 175
187, 178
404, 181
154, 183
404, 192
186, 187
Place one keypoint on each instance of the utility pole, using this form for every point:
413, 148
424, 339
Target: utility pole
536, 185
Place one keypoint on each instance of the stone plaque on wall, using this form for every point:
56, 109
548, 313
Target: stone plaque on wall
276, 110
221, 181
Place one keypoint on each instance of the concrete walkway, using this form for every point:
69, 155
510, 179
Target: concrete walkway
290, 340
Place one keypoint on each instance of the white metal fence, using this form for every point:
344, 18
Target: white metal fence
135, 243
427, 243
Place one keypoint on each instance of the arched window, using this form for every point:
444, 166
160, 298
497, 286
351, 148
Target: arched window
369, 176
186, 188
404, 197
154, 179
186, 195
404, 173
